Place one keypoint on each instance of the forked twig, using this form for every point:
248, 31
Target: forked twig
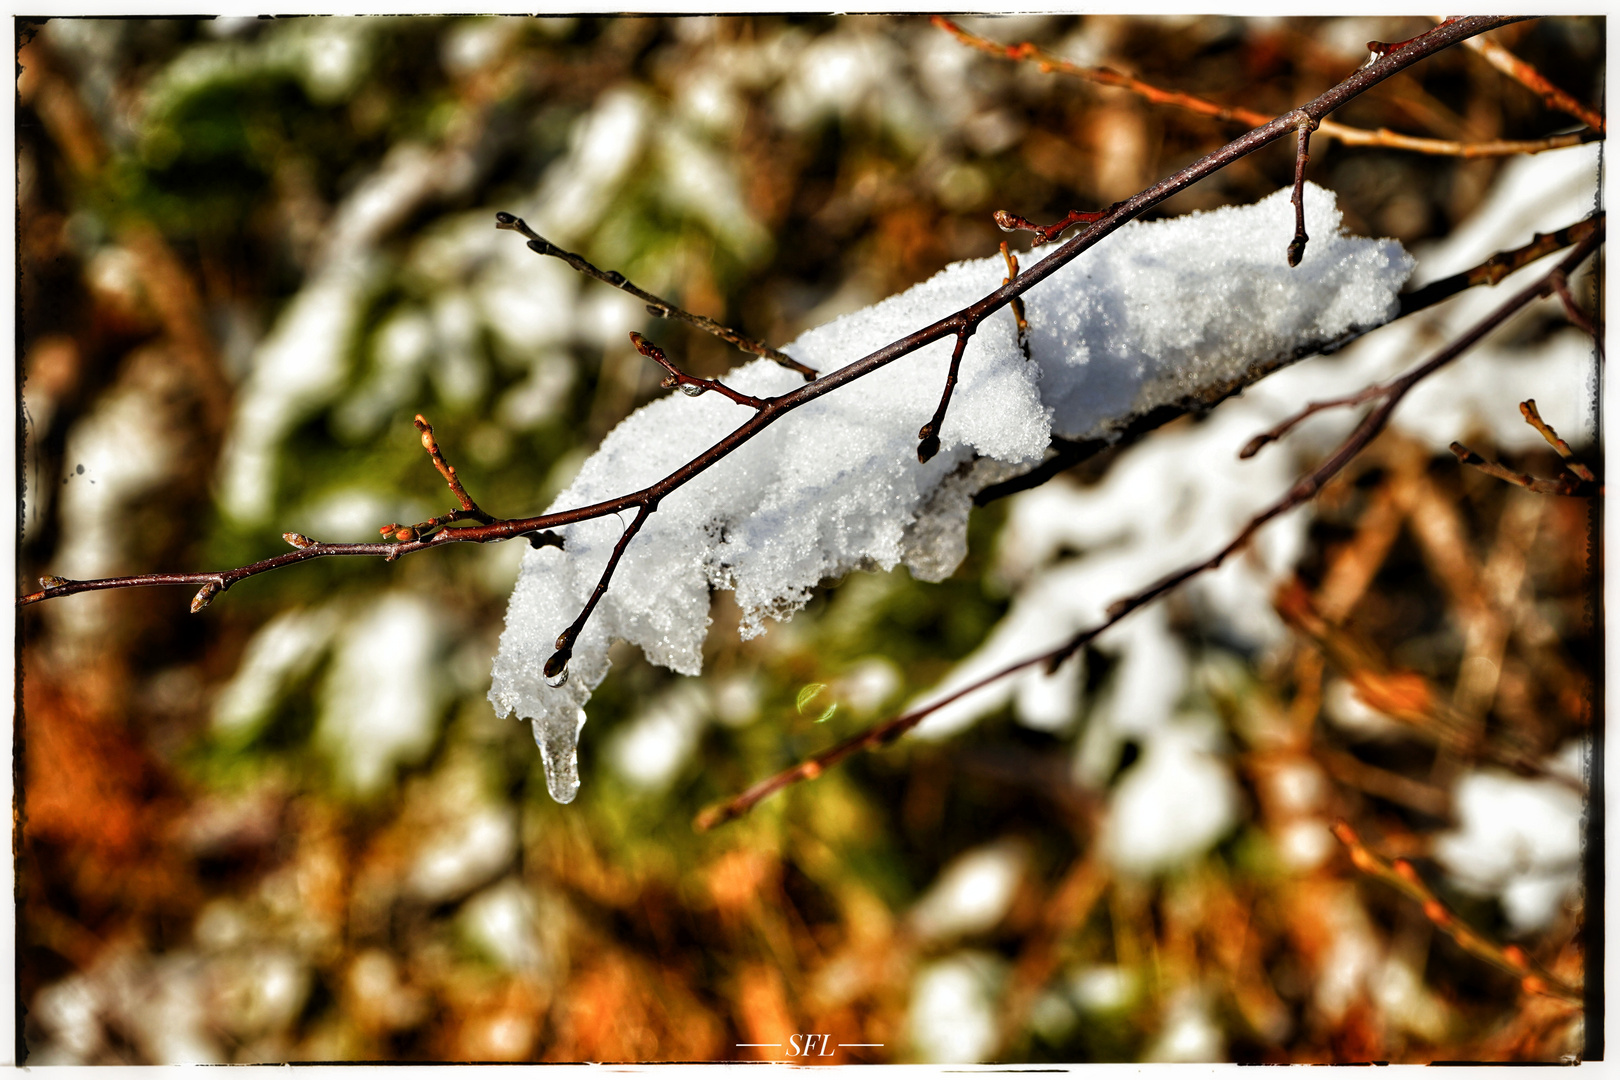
656, 305
688, 384
1403, 876
1350, 136
1577, 479
1302, 491
1532, 416
468, 511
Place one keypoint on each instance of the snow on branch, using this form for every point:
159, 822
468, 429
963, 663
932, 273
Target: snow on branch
1149, 316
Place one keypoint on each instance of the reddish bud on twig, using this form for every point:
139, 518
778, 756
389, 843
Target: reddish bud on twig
297, 540
205, 596
51, 581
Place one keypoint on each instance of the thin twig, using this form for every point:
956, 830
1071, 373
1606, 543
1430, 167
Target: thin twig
928, 444
1045, 234
1302, 154
1534, 81
1302, 491
656, 305
1350, 136
1500, 265
468, 511
556, 669
1532, 416
1402, 875
689, 385
1567, 484
962, 323
1573, 312
1017, 304
1271, 435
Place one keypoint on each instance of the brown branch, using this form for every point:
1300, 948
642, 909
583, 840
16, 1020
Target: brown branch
1403, 876
688, 384
1017, 301
1500, 265
960, 324
1349, 136
1302, 491
656, 305
1534, 81
928, 444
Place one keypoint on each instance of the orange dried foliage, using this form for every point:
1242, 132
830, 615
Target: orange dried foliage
622, 1009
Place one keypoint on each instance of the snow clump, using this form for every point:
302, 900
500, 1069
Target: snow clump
1152, 314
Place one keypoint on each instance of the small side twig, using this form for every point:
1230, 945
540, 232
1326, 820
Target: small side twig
556, 668
1573, 312
656, 305
468, 511
1403, 876
1532, 416
1302, 154
1017, 304
928, 437
688, 384
1271, 435
1563, 485
1045, 234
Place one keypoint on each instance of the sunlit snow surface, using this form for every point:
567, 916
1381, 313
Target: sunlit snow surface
1150, 314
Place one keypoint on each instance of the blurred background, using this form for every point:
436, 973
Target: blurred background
291, 828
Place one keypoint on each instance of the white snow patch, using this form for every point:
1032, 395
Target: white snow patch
379, 702
1516, 838
1172, 804
972, 894
952, 1017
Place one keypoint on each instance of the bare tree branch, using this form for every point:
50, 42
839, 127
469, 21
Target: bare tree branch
1350, 136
